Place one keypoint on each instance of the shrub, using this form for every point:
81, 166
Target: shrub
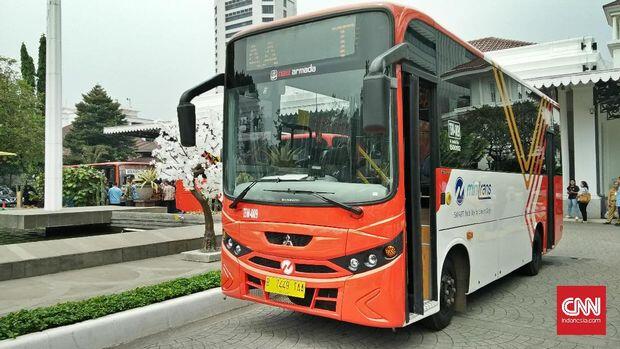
81, 186
27, 321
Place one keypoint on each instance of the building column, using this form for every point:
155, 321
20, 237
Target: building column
53, 109
614, 35
585, 159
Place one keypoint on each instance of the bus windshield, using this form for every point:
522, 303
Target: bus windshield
293, 109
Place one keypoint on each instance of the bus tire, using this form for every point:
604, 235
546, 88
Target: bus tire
448, 294
533, 267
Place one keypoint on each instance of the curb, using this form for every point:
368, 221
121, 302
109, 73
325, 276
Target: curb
127, 326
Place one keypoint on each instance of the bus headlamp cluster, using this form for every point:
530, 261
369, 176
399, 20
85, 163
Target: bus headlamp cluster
233, 246
372, 258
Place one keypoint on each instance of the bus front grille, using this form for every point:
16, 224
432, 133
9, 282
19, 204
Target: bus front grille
302, 268
287, 239
314, 298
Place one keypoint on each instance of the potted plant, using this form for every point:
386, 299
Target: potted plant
145, 183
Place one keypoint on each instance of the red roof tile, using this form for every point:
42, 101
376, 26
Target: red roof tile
495, 44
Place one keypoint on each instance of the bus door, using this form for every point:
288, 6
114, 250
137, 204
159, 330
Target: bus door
550, 173
420, 162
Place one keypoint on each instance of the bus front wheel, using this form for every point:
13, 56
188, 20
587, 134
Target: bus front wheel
533, 267
448, 294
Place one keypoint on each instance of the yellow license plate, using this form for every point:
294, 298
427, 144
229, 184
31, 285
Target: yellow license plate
285, 287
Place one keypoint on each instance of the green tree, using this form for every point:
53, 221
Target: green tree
96, 111
22, 127
27, 66
41, 71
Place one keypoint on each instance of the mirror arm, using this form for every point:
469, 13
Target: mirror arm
210, 84
396, 54
186, 111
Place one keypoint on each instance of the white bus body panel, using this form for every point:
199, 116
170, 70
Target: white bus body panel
500, 212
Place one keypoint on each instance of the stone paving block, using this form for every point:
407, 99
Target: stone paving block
43, 266
6, 271
133, 253
17, 270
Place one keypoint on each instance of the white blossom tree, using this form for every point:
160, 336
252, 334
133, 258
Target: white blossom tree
198, 167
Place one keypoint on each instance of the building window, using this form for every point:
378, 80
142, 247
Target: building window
284, 14
229, 35
238, 14
238, 25
284, 3
267, 8
267, 19
229, 5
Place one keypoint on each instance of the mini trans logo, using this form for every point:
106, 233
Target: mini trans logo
287, 267
274, 75
459, 191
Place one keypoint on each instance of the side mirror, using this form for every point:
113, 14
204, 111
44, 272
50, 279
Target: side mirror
186, 111
376, 103
186, 114
376, 92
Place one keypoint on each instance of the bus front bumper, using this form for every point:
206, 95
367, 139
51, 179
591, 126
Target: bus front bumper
374, 298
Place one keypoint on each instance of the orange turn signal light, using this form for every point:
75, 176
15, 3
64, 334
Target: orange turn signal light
470, 235
389, 251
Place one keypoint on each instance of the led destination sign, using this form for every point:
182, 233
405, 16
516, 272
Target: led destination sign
336, 37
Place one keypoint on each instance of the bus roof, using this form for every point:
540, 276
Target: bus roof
402, 16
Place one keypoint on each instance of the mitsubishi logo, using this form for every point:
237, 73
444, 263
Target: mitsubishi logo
287, 241
287, 267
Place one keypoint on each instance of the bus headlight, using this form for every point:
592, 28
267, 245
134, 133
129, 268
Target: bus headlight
371, 258
371, 261
233, 246
354, 264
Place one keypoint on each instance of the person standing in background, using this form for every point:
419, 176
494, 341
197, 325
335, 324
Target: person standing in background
130, 192
611, 202
169, 196
114, 195
572, 191
583, 199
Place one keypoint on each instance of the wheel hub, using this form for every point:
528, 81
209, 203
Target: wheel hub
448, 289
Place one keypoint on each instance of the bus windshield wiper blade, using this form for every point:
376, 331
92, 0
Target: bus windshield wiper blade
243, 193
275, 179
353, 209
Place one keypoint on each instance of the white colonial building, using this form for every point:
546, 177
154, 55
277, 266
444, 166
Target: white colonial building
574, 73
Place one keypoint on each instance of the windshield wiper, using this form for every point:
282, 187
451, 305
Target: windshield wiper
275, 179
319, 194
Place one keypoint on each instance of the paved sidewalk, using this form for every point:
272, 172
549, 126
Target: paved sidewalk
514, 312
85, 283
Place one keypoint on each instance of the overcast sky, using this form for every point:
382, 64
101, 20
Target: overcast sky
150, 51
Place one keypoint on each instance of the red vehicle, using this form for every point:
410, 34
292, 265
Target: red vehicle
116, 172
447, 179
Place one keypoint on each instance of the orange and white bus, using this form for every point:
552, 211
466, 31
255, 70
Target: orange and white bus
445, 178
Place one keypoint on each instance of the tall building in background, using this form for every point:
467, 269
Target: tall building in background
231, 16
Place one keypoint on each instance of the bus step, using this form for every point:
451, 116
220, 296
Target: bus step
430, 308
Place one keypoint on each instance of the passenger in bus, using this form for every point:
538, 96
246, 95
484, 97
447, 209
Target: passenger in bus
611, 203
572, 190
583, 199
